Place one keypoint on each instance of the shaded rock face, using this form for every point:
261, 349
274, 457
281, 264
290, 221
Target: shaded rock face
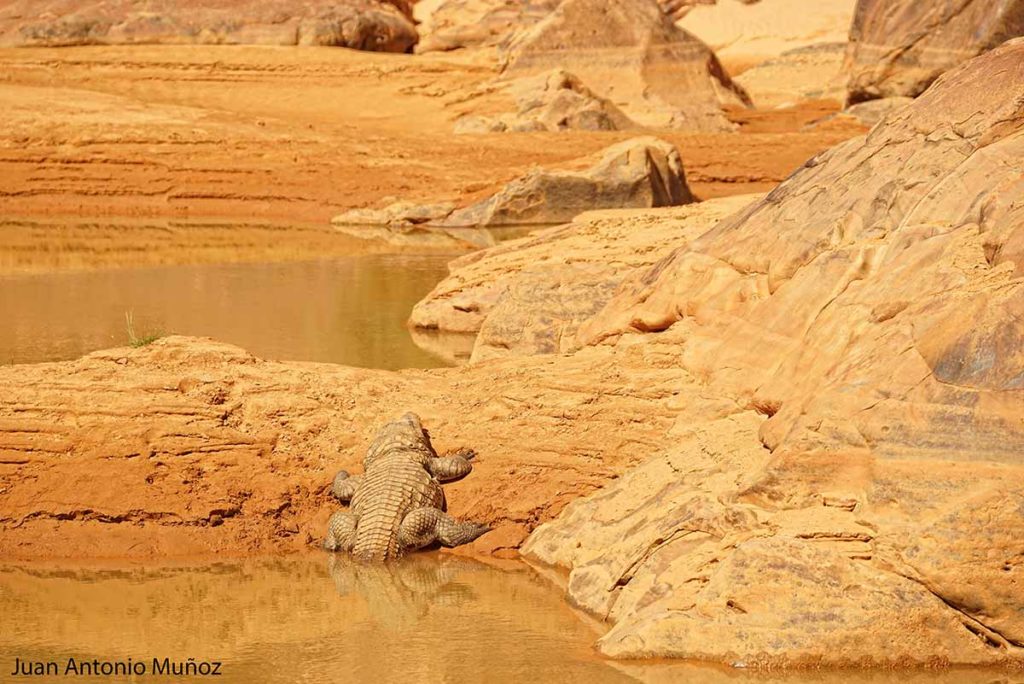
898, 48
360, 24
865, 319
552, 101
642, 172
630, 52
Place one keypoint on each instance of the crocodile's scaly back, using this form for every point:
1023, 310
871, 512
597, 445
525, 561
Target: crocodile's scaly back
395, 485
398, 503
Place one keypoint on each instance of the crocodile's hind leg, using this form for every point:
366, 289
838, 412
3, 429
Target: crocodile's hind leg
451, 466
344, 487
341, 532
424, 526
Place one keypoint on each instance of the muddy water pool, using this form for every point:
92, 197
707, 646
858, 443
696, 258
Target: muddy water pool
347, 310
433, 617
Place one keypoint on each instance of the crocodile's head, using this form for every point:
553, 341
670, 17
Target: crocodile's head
412, 419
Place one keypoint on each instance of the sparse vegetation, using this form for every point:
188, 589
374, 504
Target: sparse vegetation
136, 340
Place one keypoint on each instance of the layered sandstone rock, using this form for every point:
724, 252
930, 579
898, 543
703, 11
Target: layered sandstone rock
362, 24
553, 101
189, 446
630, 52
899, 48
866, 319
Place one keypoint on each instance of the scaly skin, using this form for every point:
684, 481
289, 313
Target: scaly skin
398, 504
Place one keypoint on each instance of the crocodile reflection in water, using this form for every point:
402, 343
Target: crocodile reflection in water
406, 591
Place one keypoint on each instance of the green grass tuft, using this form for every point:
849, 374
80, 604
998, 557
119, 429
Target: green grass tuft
136, 340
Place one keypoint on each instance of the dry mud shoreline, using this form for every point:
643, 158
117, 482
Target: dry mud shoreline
765, 430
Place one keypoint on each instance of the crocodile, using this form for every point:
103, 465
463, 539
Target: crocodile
397, 505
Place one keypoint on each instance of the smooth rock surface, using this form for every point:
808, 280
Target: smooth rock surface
640, 172
630, 52
361, 24
899, 47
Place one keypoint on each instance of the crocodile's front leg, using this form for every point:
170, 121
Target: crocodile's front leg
424, 526
451, 466
341, 532
344, 487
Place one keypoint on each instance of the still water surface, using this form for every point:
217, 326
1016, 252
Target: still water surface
348, 310
319, 618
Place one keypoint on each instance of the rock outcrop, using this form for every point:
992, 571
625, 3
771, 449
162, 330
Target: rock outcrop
866, 319
630, 52
641, 172
376, 25
899, 47
528, 296
552, 101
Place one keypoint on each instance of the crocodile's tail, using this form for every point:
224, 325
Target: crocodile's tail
377, 536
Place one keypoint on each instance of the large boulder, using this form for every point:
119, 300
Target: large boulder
361, 24
865, 321
899, 47
630, 52
639, 173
